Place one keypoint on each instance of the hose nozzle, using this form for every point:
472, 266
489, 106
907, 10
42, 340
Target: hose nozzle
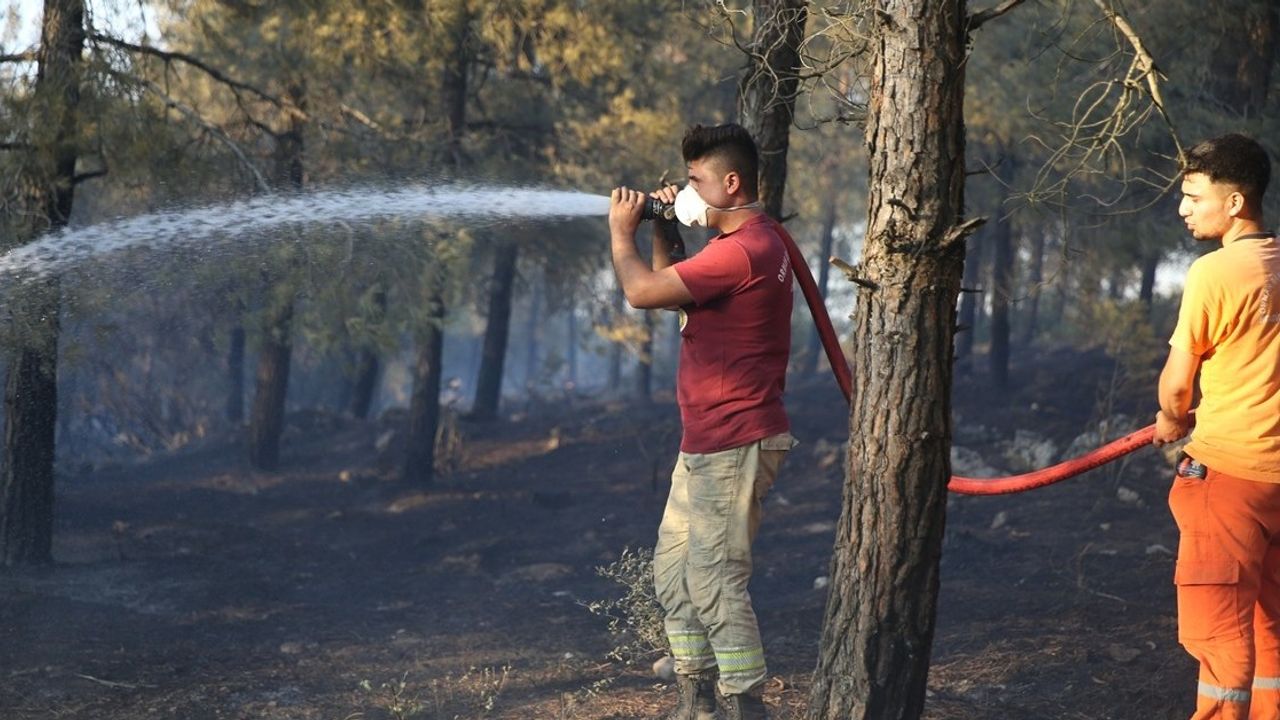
655, 209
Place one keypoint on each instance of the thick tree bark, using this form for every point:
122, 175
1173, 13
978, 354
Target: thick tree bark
880, 615
817, 359
1001, 296
424, 406
496, 332
767, 92
235, 375
31, 389
368, 365
266, 419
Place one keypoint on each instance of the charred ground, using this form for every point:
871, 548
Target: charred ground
190, 587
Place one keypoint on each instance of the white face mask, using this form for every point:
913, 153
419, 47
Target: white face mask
692, 210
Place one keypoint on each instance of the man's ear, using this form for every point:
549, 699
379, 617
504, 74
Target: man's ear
1235, 203
732, 182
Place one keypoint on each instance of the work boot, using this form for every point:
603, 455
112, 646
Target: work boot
746, 706
696, 697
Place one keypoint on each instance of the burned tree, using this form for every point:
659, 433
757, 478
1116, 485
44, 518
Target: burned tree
47, 191
266, 417
424, 406
498, 323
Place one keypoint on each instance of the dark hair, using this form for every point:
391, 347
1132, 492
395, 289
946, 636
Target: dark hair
729, 144
1235, 159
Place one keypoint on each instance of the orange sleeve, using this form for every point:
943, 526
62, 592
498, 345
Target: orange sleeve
1197, 316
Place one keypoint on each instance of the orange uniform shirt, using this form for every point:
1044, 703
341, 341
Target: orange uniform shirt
1230, 317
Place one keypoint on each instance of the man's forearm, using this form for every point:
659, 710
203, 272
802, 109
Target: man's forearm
628, 265
1176, 404
668, 246
1177, 384
1174, 396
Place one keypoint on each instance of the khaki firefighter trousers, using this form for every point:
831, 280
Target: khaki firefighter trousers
702, 562
1228, 580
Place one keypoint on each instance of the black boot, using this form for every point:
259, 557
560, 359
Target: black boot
696, 697
747, 706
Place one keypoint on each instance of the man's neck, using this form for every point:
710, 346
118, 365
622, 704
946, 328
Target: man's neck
1242, 226
729, 221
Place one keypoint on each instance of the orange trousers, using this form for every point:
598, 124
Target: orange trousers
1228, 579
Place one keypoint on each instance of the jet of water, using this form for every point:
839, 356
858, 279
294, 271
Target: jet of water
255, 217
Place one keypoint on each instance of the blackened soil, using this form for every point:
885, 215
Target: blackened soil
190, 587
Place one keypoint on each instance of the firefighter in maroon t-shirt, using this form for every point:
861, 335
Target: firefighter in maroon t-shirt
734, 299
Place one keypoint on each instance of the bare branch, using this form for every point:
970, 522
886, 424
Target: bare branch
1147, 65
24, 56
852, 273
958, 233
1091, 145
221, 77
980, 18
209, 127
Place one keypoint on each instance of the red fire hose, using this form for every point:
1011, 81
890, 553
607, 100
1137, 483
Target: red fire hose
963, 485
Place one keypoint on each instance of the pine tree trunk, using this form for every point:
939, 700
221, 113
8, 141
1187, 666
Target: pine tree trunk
368, 366
266, 417
266, 420
31, 388
493, 359
766, 94
456, 21
880, 616
1001, 295
424, 406
30, 404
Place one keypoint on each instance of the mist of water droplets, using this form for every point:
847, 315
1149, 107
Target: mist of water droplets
259, 216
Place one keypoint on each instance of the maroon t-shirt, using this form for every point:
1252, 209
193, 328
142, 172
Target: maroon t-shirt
736, 339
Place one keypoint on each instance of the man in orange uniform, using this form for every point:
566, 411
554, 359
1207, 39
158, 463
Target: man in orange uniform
1226, 496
